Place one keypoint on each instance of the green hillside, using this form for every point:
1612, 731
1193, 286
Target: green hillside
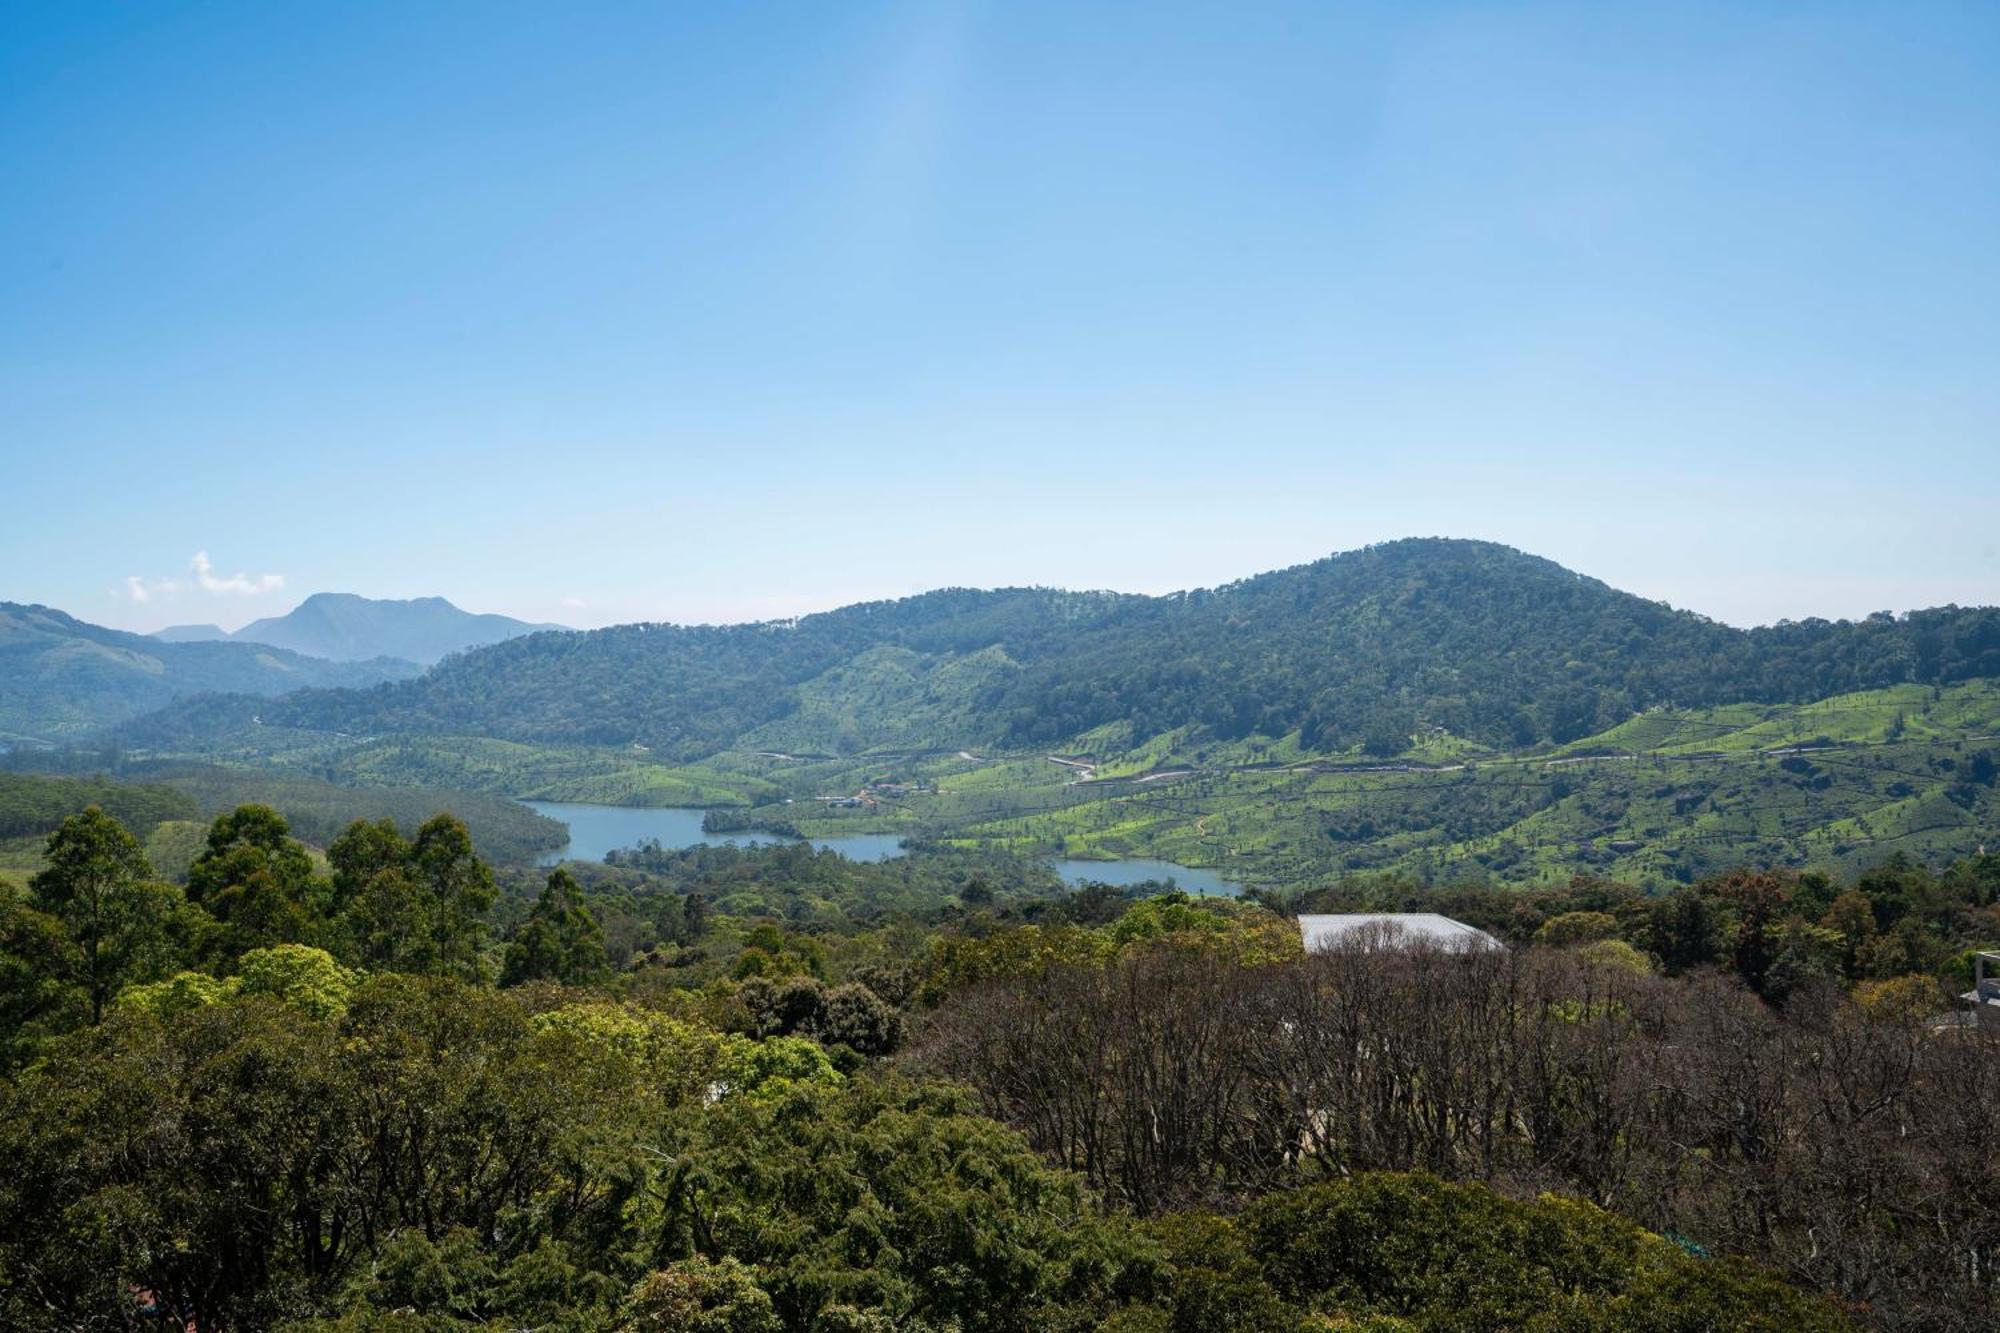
1424, 641
1839, 783
1455, 710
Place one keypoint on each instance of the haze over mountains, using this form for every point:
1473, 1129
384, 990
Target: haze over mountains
343, 627
62, 679
1362, 648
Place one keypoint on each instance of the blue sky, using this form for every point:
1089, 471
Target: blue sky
712, 312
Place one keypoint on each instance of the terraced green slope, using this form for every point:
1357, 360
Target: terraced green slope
1667, 796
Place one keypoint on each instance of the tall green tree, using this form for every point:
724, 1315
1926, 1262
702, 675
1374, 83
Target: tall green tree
37, 996
119, 921
361, 852
560, 941
376, 897
458, 892
411, 905
257, 880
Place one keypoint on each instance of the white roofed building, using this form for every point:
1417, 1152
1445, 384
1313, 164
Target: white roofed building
1391, 930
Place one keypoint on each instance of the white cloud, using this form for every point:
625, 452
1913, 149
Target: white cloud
240, 584
574, 602
142, 590
145, 590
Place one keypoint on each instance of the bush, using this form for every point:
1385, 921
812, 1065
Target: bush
177, 995
700, 1296
857, 1017
1465, 1258
301, 976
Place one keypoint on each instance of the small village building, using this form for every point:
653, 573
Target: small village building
1390, 930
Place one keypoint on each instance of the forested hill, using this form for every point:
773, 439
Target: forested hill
61, 677
1363, 647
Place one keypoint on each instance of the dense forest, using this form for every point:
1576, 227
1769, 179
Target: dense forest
1360, 649
32, 805
167, 798
381, 1086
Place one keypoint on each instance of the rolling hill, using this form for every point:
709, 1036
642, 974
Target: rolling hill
62, 678
1436, 708
342, 627
1363, 649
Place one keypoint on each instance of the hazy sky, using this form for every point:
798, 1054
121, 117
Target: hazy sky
722, 311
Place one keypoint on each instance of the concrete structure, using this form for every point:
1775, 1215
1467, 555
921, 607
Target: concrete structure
1388, 930
1983, 1000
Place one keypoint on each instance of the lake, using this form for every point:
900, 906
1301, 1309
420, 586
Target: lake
1138, 869
597, 829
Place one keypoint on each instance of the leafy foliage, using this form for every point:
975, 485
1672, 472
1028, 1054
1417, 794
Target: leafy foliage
710, 1136
1461, 1256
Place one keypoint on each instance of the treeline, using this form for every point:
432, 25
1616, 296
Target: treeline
800, 884
1777, 930
1363, 648
142, 793
502, 829
32, 805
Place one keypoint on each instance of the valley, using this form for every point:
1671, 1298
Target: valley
1664, 797
967, 668
1450, 711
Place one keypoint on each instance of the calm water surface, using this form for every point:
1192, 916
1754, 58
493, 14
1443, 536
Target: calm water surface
1137, 870
597, 829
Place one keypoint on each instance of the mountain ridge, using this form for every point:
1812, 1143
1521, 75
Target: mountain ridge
61, 677
347, 627
1363, 646
191, 634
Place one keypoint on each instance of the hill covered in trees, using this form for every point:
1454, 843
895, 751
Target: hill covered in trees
61, 677
1362, 649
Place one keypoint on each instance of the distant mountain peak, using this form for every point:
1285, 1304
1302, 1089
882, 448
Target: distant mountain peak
191, 634
63, 678
328, 599
347, 627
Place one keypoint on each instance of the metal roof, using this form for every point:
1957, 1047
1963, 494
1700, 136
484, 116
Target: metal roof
1385, 928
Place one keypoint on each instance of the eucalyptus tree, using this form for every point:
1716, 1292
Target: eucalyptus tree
119, 920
